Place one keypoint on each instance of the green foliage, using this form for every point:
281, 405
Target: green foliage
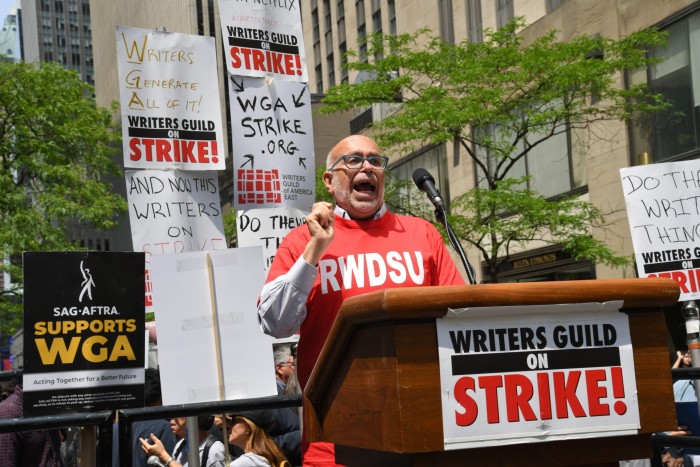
56, 147
498, 99
230, 231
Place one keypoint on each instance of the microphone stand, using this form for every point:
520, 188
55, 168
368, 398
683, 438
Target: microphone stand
442, 218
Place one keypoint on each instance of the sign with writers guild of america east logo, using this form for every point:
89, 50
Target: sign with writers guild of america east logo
83, 332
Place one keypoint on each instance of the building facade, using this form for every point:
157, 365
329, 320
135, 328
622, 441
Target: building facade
331, 27
59, 31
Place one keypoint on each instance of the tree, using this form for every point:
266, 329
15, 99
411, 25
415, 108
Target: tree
56, 147
499, 99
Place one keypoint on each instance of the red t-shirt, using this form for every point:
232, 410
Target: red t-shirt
365, 256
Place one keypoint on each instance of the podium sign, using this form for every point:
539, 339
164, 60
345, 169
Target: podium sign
524, 374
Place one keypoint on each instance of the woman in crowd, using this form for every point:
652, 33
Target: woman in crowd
249, 431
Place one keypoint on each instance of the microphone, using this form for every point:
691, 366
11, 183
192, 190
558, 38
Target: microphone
425, 182
155, 460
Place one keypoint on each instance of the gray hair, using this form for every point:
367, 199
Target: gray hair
282, 354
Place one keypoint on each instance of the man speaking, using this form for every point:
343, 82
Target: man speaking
352, 249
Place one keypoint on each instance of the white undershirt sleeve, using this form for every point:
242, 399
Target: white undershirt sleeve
282, 305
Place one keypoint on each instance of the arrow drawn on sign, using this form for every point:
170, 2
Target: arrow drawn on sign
238, 87
251, 159
297, 100
301, 161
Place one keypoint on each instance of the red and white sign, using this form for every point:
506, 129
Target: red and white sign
513, 375
169, 96
663, 210
263, 39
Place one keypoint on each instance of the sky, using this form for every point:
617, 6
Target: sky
5, 6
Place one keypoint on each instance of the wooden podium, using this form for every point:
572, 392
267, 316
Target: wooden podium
375, 389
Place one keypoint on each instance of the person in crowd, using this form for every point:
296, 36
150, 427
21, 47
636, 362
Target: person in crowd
287, 430
29, 448
683, 360
284, 366
249, 431
142, 429
211, 450
322, 263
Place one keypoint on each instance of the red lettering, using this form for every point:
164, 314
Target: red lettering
163, 150
565, 394
246, 57
596, 392
236, 60
545, 399
187, 151
490, 385
202, 151
258, 60
679, 276
135, 149
519, 391
471, 410
289, 64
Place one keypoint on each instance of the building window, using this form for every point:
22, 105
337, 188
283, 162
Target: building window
316, 27
504, 12
377, 21
434, 160
328, 34
342, 41
553, 167
674, 134
554, 4
361, 29
447, 30
474, 23
391, 4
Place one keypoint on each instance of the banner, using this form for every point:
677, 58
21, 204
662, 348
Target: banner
272, 132
206, 314
529, 374
263, 39
83, 332
169, 96
266, 228
664, 218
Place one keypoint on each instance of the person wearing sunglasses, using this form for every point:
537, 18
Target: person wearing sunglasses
352, 248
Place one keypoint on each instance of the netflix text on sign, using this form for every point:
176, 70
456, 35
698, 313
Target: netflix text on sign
663, 210
514, 375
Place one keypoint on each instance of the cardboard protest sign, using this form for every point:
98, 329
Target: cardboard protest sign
83, 332
664, 218
169, 96
206, 315
173, 212
273, 157
263, 39
528, 374
267, 228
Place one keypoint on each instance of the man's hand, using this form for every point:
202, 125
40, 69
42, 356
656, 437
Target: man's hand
320, 225
667, 460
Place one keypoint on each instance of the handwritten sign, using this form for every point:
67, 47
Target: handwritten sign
513, 375
267, 228
664, 217
169, 97
263, 39
273, 157
173, 212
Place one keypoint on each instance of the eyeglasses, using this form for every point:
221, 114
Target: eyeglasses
354, 162
286, 363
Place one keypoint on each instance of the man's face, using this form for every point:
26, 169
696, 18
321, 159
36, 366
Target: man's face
359, 191
285, 370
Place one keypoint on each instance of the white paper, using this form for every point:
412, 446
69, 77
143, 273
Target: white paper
186, 343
